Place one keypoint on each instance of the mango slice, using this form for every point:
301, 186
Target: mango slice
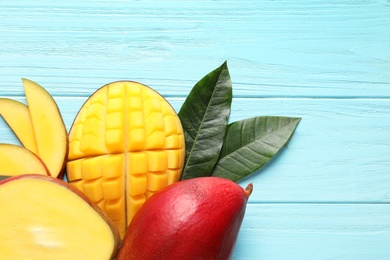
17, 160
125, 144
48, 127
17, 116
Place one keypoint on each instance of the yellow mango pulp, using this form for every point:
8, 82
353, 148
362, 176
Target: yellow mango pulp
125, 144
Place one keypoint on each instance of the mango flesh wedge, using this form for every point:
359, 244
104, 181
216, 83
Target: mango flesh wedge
17, 160
125, 144
17, 116
49, 129
45, 218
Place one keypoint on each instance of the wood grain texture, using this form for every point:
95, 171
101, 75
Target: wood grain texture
313, 231
326, 195
290, 48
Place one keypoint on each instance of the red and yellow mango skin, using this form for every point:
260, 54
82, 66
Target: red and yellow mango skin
192, 219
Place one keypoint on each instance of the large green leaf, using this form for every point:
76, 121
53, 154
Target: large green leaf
204, 116
250, 143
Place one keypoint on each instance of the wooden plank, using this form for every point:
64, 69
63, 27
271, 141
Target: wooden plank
337, 154
314, 231
291, 48
326, 195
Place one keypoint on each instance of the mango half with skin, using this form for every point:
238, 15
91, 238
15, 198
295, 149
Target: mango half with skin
45, 218
125, 144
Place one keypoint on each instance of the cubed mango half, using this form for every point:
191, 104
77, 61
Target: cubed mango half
125, 144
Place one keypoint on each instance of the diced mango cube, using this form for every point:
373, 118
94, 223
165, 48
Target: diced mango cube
74, 170
174, 158
137, 162
135, 119
136, 139
137, 184
170, 125
113, 188
93, 189
134, 204
157, 181
157, 161
91, 168
113, 165
155, 141
115, 208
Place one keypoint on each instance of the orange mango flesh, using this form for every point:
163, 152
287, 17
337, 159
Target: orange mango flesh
125, 144
48, 127
17, 160
43, 219
17, 116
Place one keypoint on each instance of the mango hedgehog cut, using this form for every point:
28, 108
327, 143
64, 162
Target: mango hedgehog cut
125, 144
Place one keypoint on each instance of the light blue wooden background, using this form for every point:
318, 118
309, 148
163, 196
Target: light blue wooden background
327, 194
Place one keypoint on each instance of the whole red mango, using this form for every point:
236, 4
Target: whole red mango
192, 219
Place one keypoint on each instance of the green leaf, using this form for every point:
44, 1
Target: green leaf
204, 116
250, 143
